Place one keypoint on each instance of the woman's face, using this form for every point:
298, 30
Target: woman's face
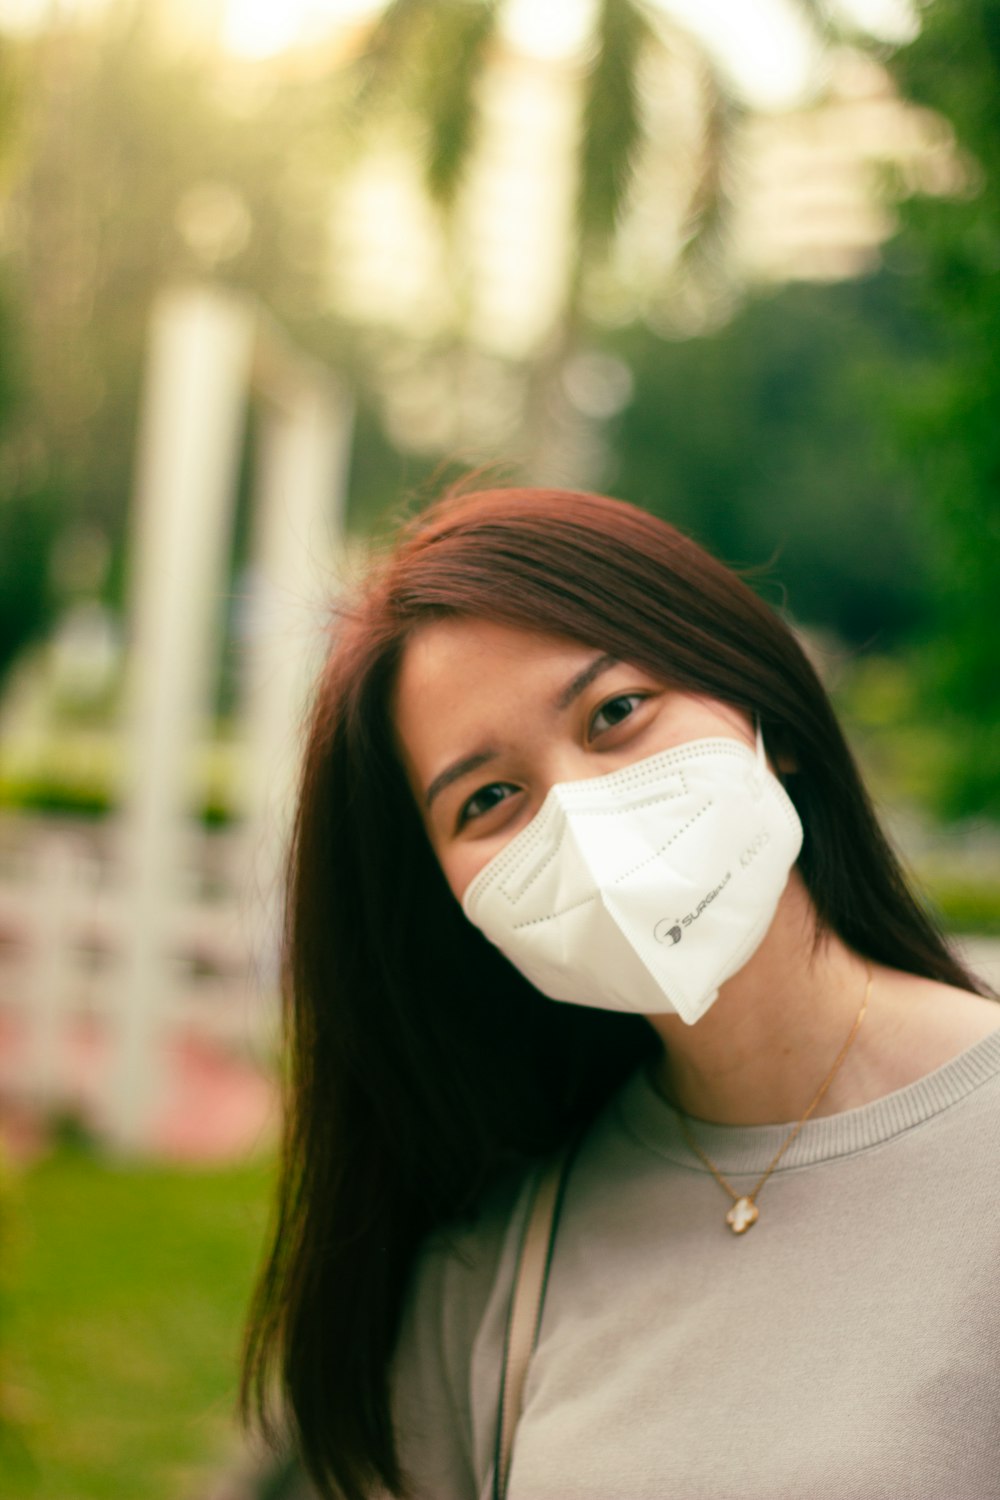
489, 717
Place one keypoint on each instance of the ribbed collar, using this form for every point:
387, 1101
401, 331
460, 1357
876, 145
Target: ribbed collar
749, 1148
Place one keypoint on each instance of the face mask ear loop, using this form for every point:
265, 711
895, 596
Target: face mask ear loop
761, 768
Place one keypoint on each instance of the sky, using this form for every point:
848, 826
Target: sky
764, 45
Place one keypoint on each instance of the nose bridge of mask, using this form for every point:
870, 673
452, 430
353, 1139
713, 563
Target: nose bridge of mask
578, 815
656, 779
644, 889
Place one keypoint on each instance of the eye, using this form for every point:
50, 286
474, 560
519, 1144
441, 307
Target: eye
485, 800
615, 711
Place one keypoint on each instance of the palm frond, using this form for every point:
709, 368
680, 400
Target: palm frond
457, 48
707, 210
430, 54
612, 133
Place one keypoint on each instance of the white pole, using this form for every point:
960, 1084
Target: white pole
56, 882
188, 460
296, 551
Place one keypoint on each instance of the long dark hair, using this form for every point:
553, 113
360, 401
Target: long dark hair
423, 1066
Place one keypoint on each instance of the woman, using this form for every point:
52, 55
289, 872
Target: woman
582, 857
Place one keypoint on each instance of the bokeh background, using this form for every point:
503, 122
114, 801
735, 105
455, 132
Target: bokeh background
271, 274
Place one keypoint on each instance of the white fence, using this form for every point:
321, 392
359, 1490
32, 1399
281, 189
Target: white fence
135, 925
63, 915
63, 911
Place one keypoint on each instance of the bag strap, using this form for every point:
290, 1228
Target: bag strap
528, 1297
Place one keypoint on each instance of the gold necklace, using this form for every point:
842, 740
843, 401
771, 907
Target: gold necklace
744, 1211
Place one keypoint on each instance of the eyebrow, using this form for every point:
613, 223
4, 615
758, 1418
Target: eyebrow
583, 679
562, 701
456, 770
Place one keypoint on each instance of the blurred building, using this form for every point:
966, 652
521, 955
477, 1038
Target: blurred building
809, 193
814, 202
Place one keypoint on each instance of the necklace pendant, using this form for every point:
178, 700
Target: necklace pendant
743, 1213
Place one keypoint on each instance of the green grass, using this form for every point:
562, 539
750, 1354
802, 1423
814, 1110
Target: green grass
124, 1290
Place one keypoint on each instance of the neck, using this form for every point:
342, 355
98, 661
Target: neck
763, 1048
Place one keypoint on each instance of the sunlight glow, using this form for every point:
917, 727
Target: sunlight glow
555, 29
263, 28
765, 46
767, 49
22, 17
890, 20
259, 28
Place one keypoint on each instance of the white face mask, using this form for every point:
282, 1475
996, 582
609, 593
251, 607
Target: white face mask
646, 889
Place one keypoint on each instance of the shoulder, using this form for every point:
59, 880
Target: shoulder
462, 1271
448, 1364
926, 1024
458, 1264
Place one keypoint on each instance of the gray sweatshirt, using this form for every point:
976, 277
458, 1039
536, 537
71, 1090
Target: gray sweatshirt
847, 1347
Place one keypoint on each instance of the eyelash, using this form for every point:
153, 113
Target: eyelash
635, 698
465, 816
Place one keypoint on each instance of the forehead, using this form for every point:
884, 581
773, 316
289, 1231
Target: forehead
460, 678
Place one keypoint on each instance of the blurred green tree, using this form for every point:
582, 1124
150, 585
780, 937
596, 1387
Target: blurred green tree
27, 518
770, 441
29, 525
947, 254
